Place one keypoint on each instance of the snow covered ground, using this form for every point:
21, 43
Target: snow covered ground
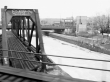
61, 48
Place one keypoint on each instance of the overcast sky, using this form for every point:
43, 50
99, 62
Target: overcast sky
61, 8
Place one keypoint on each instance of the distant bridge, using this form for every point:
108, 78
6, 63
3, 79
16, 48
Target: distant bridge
46, 27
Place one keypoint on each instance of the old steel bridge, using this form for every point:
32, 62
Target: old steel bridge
20, 61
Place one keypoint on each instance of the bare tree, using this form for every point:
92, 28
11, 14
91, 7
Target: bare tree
101, 23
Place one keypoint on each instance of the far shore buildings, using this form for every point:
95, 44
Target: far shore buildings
74, 25
70, 23
77, 25
81, 24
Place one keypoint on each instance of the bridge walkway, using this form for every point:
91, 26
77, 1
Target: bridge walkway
17, 59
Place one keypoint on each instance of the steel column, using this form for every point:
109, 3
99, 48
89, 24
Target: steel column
4, 37
30, 37
38, 29
20, 26
28, 29
36, 39
23, 30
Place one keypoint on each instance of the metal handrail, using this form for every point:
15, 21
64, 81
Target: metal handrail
56, 55
61, 64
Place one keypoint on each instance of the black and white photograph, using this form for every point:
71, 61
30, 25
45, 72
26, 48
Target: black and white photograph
55, 41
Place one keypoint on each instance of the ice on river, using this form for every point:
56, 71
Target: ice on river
56, 47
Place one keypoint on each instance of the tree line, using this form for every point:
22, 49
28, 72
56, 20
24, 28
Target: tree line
101, 23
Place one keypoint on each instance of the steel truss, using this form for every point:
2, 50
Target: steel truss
24, 22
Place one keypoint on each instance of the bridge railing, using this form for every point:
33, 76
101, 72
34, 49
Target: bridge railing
51, 62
